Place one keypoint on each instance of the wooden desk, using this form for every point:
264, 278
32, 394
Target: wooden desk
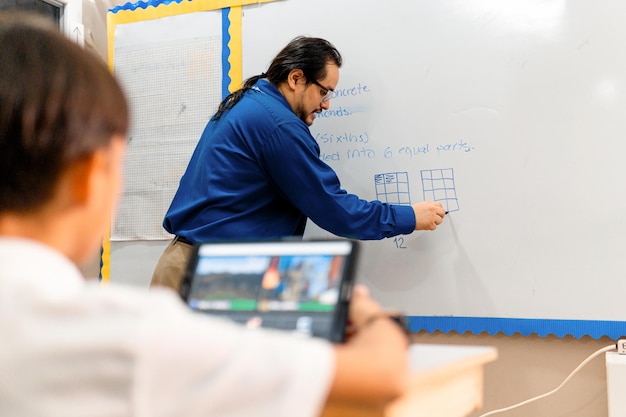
446, 381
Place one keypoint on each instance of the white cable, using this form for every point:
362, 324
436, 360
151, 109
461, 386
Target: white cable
578, 368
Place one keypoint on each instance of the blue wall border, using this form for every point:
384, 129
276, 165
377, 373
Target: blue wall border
225, 52
142, 5
509, 326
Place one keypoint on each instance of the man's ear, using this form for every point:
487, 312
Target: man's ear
295, 77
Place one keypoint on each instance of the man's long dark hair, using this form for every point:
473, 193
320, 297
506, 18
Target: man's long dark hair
307, 54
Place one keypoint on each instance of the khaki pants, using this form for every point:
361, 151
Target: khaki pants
170, 270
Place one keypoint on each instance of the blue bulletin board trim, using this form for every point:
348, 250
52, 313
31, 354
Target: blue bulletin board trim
142, 5
196, 6
225, 52
541, 327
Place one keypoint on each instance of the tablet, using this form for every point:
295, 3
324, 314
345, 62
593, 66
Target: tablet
300, 286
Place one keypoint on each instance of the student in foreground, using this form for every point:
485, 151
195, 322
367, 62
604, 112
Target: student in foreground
72, 348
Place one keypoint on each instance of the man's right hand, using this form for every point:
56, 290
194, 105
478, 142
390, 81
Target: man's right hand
428, 215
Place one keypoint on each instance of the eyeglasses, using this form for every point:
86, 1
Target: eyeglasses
326, 92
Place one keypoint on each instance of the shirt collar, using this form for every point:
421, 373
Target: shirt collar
29, 261
271, 90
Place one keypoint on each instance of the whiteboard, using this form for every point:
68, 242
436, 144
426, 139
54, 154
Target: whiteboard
514, 113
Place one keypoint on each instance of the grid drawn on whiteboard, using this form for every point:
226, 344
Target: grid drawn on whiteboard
393, 187
438, 185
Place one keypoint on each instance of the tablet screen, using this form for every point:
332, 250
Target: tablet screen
300, 286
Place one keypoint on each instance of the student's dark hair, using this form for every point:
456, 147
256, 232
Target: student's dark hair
58, 104
308, 54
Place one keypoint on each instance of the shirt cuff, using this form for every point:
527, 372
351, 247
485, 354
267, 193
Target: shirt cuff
405, 219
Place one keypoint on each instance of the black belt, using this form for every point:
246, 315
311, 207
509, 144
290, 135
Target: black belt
182, 240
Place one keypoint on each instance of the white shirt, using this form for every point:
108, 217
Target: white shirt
70, 347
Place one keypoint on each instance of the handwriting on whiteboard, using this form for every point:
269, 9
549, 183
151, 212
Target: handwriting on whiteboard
357, 145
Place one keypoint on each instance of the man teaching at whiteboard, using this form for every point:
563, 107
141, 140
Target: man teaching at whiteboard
256, 171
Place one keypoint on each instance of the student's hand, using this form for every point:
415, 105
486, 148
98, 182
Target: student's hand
428, 215
364, 310
362, 307
372, 366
